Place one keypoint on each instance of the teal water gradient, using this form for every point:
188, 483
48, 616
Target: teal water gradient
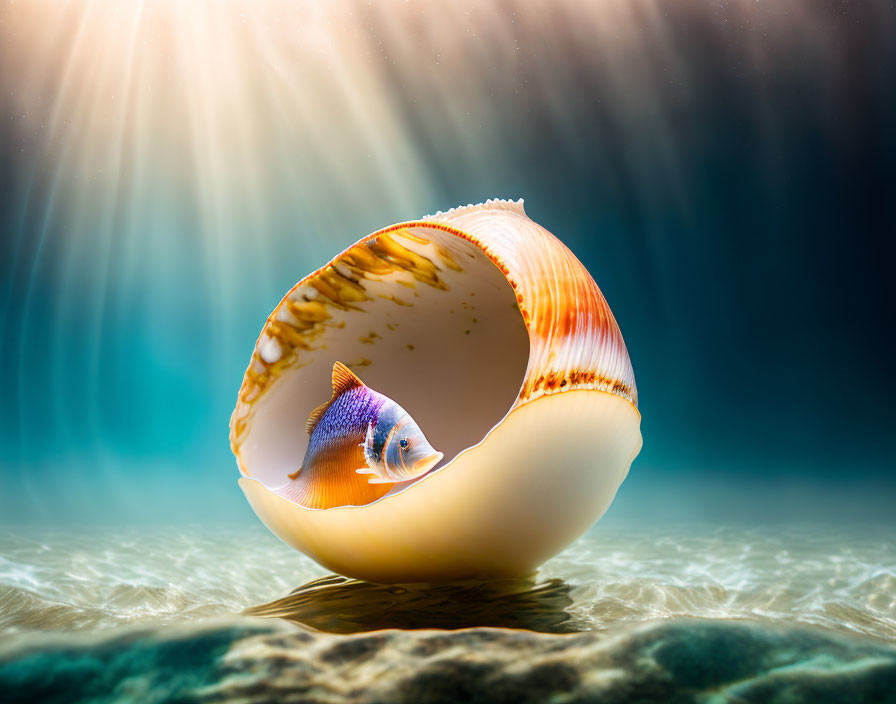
725, 172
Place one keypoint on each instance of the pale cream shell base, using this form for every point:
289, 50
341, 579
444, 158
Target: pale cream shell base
547, 472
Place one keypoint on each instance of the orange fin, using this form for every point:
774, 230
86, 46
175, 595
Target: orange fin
343, 380
314, 416
295, 475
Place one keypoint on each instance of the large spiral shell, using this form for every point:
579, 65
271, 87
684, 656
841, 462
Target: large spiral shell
496, 339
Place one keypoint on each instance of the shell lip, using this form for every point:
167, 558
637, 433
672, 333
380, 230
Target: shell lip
409, 486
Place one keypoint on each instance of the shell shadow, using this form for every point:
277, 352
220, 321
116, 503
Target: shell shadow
337, 604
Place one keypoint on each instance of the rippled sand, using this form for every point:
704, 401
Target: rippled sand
787, 614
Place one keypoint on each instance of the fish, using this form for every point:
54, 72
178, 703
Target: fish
361, 443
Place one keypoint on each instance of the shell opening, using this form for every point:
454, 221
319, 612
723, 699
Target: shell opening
420, 314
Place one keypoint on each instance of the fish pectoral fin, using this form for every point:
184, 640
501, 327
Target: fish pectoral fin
380, 480
365, 470
295, 475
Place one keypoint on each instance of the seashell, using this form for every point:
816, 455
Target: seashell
496, 339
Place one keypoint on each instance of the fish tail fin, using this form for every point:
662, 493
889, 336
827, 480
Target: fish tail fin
302, 491
310, 491
315, 486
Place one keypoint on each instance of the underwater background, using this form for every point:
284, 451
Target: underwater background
725, 170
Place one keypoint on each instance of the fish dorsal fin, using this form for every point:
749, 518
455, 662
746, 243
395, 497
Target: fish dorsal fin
314, 416
343, 380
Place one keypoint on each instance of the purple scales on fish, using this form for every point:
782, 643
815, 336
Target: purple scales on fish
361, 444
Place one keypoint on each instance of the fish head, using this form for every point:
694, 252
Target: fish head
406, 453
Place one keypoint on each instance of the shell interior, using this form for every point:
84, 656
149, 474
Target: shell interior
420, 314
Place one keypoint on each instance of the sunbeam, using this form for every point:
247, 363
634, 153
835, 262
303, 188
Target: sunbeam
175, 166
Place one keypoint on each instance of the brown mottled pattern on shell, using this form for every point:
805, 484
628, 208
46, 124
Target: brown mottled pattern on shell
305, 312
575, 341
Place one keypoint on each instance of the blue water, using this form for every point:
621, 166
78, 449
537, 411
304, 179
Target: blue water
724, 170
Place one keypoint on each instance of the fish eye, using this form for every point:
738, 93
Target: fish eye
404, 443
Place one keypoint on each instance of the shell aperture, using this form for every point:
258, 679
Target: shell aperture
359, 432
551, 394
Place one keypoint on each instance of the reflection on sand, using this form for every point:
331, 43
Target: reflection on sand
340, 605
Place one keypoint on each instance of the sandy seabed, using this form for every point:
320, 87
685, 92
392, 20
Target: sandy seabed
690, 613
